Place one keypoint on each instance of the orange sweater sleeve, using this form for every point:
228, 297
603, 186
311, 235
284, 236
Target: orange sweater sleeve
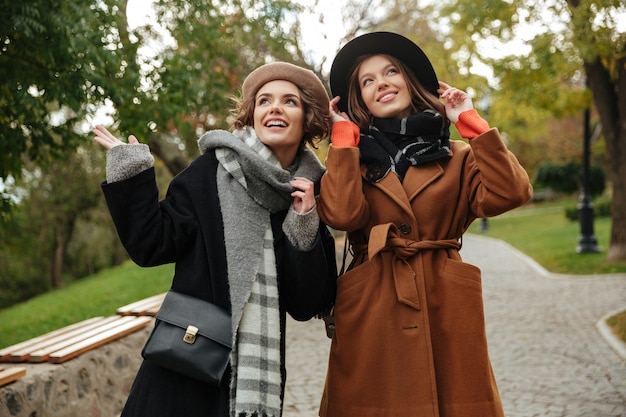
345, 134
470, 124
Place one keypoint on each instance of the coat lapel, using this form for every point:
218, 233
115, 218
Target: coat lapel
391, 186
417, 178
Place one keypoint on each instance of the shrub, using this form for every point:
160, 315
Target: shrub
567, 178
601, 208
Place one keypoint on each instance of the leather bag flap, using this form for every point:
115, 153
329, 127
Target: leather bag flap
183, 310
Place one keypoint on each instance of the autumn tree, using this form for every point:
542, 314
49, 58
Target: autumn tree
578, 52
201, 52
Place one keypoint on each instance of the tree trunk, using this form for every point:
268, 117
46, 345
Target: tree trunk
169, 153
610, 100
58, 253
617, 247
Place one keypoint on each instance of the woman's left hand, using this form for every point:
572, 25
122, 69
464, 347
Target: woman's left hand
303, 195
335, 113
455, 100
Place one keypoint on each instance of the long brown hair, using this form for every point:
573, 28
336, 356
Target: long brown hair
317, 120
422, 99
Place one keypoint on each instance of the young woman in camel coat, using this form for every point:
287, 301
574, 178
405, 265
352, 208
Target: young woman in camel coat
410, 334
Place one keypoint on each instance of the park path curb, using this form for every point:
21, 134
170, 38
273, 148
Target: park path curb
608, 334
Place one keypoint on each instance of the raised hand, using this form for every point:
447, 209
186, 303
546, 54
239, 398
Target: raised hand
107, 140
456, 101
335, 114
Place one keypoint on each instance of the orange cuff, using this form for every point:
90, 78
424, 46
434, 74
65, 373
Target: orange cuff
345, 134
470, 124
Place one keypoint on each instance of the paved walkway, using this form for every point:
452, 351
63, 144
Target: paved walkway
549, 356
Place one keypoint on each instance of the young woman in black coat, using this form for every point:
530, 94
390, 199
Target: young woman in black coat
241, 225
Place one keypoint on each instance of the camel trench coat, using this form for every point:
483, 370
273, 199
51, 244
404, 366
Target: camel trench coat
410, 334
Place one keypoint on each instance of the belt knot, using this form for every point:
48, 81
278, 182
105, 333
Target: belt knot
384, 237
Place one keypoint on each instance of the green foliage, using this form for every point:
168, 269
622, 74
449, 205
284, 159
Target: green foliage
45, 239
21, 275
51, 52
567, 178
210, 49
595, 31
548, 77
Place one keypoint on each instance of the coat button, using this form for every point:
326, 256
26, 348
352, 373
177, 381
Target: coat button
405, 228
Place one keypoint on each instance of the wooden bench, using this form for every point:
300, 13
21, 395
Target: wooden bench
68, 342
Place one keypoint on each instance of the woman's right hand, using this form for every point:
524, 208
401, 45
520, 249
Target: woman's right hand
335, 114
456, 101
107, 140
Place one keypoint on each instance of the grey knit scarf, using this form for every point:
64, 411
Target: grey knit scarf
251, 186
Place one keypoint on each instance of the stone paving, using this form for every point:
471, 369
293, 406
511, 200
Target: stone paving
550, 354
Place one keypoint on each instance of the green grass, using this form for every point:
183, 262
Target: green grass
540, 231
97, 295
546, 235
618, 324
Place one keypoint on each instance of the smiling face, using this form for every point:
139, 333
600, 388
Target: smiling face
384, 89
279, 119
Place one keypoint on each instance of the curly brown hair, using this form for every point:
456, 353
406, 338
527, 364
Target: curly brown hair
422, 99
317, 119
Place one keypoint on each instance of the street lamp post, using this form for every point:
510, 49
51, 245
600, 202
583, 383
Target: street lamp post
587, 242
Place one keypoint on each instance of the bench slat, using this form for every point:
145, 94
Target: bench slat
109, 323
11, 374
120, 330
147, 306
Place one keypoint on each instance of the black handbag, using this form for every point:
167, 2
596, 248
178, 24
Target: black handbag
192, 337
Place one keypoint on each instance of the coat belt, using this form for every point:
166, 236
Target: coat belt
386, 237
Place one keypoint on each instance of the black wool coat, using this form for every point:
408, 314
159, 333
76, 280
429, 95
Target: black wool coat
186, 228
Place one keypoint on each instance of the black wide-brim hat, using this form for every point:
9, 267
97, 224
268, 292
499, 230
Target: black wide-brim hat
379, 43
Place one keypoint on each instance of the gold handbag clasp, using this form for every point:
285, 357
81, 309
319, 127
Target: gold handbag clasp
190, 334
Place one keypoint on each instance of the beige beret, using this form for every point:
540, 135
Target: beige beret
303, 78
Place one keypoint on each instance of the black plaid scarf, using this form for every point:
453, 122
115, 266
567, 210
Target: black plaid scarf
396, 144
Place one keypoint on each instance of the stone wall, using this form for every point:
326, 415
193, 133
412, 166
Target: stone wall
94, 384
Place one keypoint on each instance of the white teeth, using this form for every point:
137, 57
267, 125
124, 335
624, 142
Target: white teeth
386, 96
276, 123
